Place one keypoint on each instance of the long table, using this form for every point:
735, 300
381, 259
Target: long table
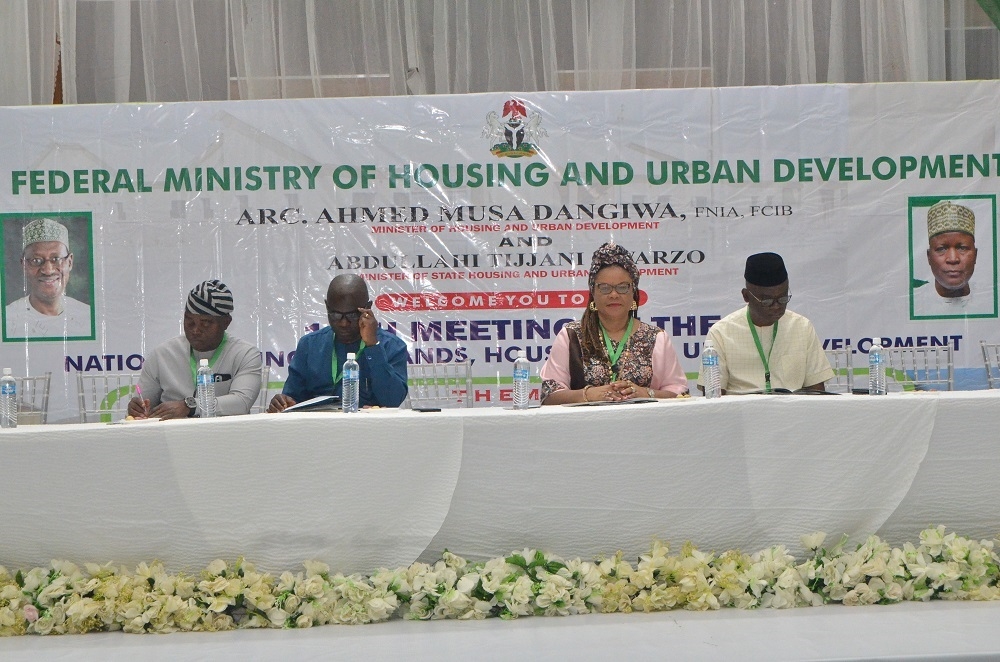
383, 488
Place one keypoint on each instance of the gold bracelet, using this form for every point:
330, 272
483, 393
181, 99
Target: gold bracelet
585, 388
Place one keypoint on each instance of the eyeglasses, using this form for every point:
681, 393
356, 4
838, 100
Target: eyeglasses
336, 316
620, 288
767, 303
39, 261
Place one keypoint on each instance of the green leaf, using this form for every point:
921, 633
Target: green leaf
518, 560
19, 578
554, 566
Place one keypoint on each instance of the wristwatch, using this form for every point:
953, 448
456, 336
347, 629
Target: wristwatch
192, 405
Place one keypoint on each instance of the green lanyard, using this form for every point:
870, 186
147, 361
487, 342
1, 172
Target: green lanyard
615, 354
336, 373
760, 350
211, 361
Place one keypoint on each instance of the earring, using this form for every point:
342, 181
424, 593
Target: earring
635, 306
593, 307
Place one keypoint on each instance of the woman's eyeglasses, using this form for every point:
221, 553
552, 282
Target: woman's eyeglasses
620, 288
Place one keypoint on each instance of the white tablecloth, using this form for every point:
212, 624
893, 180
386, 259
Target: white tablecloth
384, 488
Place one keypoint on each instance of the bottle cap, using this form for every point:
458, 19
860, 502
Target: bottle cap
709, 343
6, 371
203, 363
522, 354
350, 356
876, 341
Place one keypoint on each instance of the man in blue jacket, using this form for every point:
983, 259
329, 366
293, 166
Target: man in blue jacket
318, 365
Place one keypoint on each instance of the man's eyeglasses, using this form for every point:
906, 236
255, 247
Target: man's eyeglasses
39, 261
767, 303
336, 316
620, 288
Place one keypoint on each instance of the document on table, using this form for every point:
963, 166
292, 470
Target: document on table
601, 403
319, 403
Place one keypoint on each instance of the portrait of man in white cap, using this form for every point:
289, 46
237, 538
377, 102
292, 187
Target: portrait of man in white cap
46, 310
951, 257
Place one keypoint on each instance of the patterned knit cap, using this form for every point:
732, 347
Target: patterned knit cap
613, 255
946, 216
210, 298
45, 229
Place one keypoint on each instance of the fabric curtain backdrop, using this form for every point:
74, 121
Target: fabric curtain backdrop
28, 47
171, 50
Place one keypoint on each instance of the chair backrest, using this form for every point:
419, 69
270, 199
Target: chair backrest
104, 397
920, 367
440, 385
843, 370
991, 359
33, 399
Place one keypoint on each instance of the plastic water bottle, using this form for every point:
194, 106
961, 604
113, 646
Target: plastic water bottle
710, 370
521, 373
876, 368
8, 400
349, 395
206, 390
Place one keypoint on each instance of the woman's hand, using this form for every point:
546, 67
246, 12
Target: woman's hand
626, 390
613, 392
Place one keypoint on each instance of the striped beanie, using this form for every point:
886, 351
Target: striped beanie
210, 298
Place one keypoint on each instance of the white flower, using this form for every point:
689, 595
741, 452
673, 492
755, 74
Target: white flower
277, 617
894, 592
382, 608
312, 587
219, 604
286, 582
216, 567
316, 568
214, 585
467, 583
452, 560
292, 603
813, 541
452, 603
43, 625
82, 609
642, 578
933, 540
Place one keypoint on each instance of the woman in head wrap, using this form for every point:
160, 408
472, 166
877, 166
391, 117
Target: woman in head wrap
609, 354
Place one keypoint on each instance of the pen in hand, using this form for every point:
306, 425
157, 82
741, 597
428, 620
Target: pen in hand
145, 405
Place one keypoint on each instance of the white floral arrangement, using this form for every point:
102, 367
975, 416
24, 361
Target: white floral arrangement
64, 599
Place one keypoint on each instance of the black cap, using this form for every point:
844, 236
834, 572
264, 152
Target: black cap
765, 270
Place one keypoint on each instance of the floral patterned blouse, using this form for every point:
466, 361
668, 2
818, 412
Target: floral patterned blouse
648, 360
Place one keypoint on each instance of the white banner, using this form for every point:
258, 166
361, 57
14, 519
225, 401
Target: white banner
473, 217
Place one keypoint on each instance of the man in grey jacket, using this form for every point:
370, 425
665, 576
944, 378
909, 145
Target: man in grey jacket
168, 373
